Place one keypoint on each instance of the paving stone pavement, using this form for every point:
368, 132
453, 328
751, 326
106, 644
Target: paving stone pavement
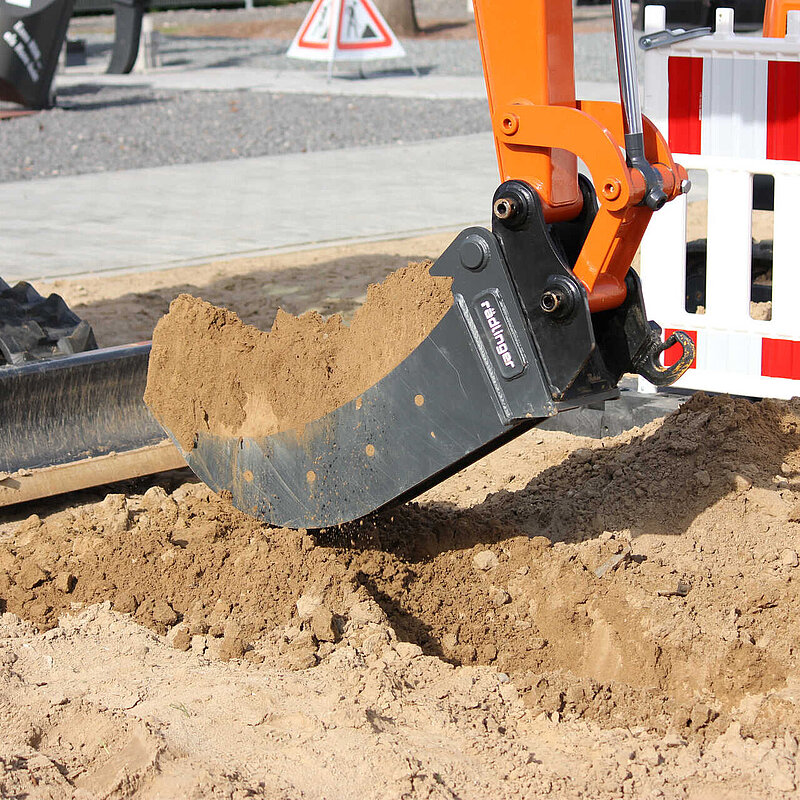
128, 219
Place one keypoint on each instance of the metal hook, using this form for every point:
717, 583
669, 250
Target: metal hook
649, 366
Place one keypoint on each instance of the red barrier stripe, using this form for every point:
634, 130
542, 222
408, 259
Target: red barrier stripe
672, 354
783, 110
685, 103
780, 358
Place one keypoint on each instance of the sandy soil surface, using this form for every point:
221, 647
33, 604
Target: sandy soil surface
568, 617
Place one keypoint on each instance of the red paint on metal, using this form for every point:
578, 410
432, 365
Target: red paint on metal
780, 358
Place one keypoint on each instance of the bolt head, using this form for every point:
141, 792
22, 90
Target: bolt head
686, 185
611, 188
551, 301
474, 252
504, 208
509, 124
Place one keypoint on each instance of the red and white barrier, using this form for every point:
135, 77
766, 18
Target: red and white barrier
729, 105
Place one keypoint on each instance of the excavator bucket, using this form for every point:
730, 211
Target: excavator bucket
546, 314
518, 345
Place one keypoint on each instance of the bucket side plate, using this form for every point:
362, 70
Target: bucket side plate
452, 400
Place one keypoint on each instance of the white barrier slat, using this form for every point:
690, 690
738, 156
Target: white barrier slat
729, 353
734, 107
729, 251
792, 24
717, 102
715, 352
751, 356
656, 76
663, 267
723, 25
749, 115
786, 256
664, 261
733, 137
655, 19
656, 95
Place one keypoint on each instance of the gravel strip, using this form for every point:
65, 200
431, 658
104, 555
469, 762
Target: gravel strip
98, 129
105, 129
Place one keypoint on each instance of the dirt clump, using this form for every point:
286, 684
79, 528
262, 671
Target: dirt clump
642, 580
101, 707
211, 372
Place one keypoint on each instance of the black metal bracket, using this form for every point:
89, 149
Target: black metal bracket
552, 298
581, 353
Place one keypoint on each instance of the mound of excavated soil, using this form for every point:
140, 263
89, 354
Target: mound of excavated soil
211, 372
644, 580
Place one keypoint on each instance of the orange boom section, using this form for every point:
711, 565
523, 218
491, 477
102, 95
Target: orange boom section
540, 130
775, 17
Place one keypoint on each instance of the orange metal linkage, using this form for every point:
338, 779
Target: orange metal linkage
775, 12
540, 129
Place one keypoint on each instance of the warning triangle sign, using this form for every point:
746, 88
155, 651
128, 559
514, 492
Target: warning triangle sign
352, 30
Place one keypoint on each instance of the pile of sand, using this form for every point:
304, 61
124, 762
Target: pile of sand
211, 372
100, 707
566, 618
646, 582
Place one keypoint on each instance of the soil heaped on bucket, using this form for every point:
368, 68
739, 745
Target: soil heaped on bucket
211, 372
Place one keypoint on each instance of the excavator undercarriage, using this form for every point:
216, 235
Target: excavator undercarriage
71, 414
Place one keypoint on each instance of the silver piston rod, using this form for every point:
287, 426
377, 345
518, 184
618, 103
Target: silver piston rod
655, 197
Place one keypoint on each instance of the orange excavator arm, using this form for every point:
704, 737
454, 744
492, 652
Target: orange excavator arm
541, 130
